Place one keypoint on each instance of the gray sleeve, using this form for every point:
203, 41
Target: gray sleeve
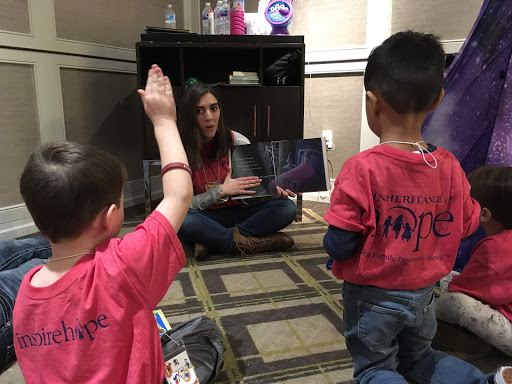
204, 200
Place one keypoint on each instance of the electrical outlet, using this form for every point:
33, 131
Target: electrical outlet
327, 133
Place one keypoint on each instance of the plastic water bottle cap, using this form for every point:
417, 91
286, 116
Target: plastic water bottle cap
207, 4
169, 5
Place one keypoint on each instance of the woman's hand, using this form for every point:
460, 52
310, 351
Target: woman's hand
238, 186
284, 192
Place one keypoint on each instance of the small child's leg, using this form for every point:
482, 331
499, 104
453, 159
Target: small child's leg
477, 317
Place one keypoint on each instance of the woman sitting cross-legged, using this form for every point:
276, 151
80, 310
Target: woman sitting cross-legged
215, 222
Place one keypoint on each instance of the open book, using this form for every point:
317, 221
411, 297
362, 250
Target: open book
299, 165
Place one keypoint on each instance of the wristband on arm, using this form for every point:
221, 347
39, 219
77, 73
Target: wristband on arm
176, 165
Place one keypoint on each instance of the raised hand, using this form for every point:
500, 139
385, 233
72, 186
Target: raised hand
238, 186
157, 97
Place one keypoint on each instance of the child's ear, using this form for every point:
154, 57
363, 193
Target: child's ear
109, 218
485, 215
438, 101
372, 102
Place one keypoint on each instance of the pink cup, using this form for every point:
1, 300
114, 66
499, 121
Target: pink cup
237, 22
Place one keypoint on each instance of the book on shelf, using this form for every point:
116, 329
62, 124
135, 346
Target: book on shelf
237, 81
239, 77
299, 165
150, 29
244, 74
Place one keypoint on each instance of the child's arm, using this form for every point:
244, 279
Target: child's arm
160, 107
471, 213
341, 244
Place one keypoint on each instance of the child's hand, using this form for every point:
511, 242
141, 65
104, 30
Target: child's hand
284, 192
158, 98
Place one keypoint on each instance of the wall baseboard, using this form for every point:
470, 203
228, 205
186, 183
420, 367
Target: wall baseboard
15, 220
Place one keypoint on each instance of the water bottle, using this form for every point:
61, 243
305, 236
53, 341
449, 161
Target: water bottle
237, 18
224, 16
204, 16
216, 16
170, 17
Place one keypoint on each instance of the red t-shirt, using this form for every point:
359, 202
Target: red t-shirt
95, 324
411, 216
212, 174
488, 274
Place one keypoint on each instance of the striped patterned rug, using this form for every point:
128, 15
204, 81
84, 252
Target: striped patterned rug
280, 312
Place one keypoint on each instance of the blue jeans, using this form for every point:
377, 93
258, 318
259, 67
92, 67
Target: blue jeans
211, 227
389, 335
17, 257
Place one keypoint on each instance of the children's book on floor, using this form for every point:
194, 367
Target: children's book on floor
299, 165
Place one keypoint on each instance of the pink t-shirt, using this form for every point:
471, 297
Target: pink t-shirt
95, 324
411, 216
488, 274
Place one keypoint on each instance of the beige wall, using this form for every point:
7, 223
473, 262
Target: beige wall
331, 103
101, 108
449, 20
19, 127
117, 23
14, 16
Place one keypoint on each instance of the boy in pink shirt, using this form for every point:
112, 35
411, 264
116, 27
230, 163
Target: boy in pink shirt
397, 214
480, 298
86, 316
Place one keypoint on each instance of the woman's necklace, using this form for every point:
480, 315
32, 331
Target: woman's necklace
207, 182
421, 149
70, 256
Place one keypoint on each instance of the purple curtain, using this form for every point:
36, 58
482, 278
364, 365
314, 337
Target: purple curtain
473, 120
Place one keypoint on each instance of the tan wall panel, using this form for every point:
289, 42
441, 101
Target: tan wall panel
117, 23
336, 104
19, 127
14, 16
101, 108
449, 20
328, 24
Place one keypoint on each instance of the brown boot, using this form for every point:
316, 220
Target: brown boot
200, 251
248, 245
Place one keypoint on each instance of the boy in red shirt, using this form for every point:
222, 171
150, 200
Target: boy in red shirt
480, 298
397, 214
86, 316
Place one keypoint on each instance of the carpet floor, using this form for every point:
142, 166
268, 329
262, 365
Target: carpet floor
281, 312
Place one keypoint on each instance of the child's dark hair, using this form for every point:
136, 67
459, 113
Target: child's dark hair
406, 70
190, 131
65, 185
491, 186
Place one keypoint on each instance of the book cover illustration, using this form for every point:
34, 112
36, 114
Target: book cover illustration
161, 322
299, 165
179, 368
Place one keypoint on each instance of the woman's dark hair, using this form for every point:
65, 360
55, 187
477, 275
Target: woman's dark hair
491, 186
406, 70
65, 185
190, 131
